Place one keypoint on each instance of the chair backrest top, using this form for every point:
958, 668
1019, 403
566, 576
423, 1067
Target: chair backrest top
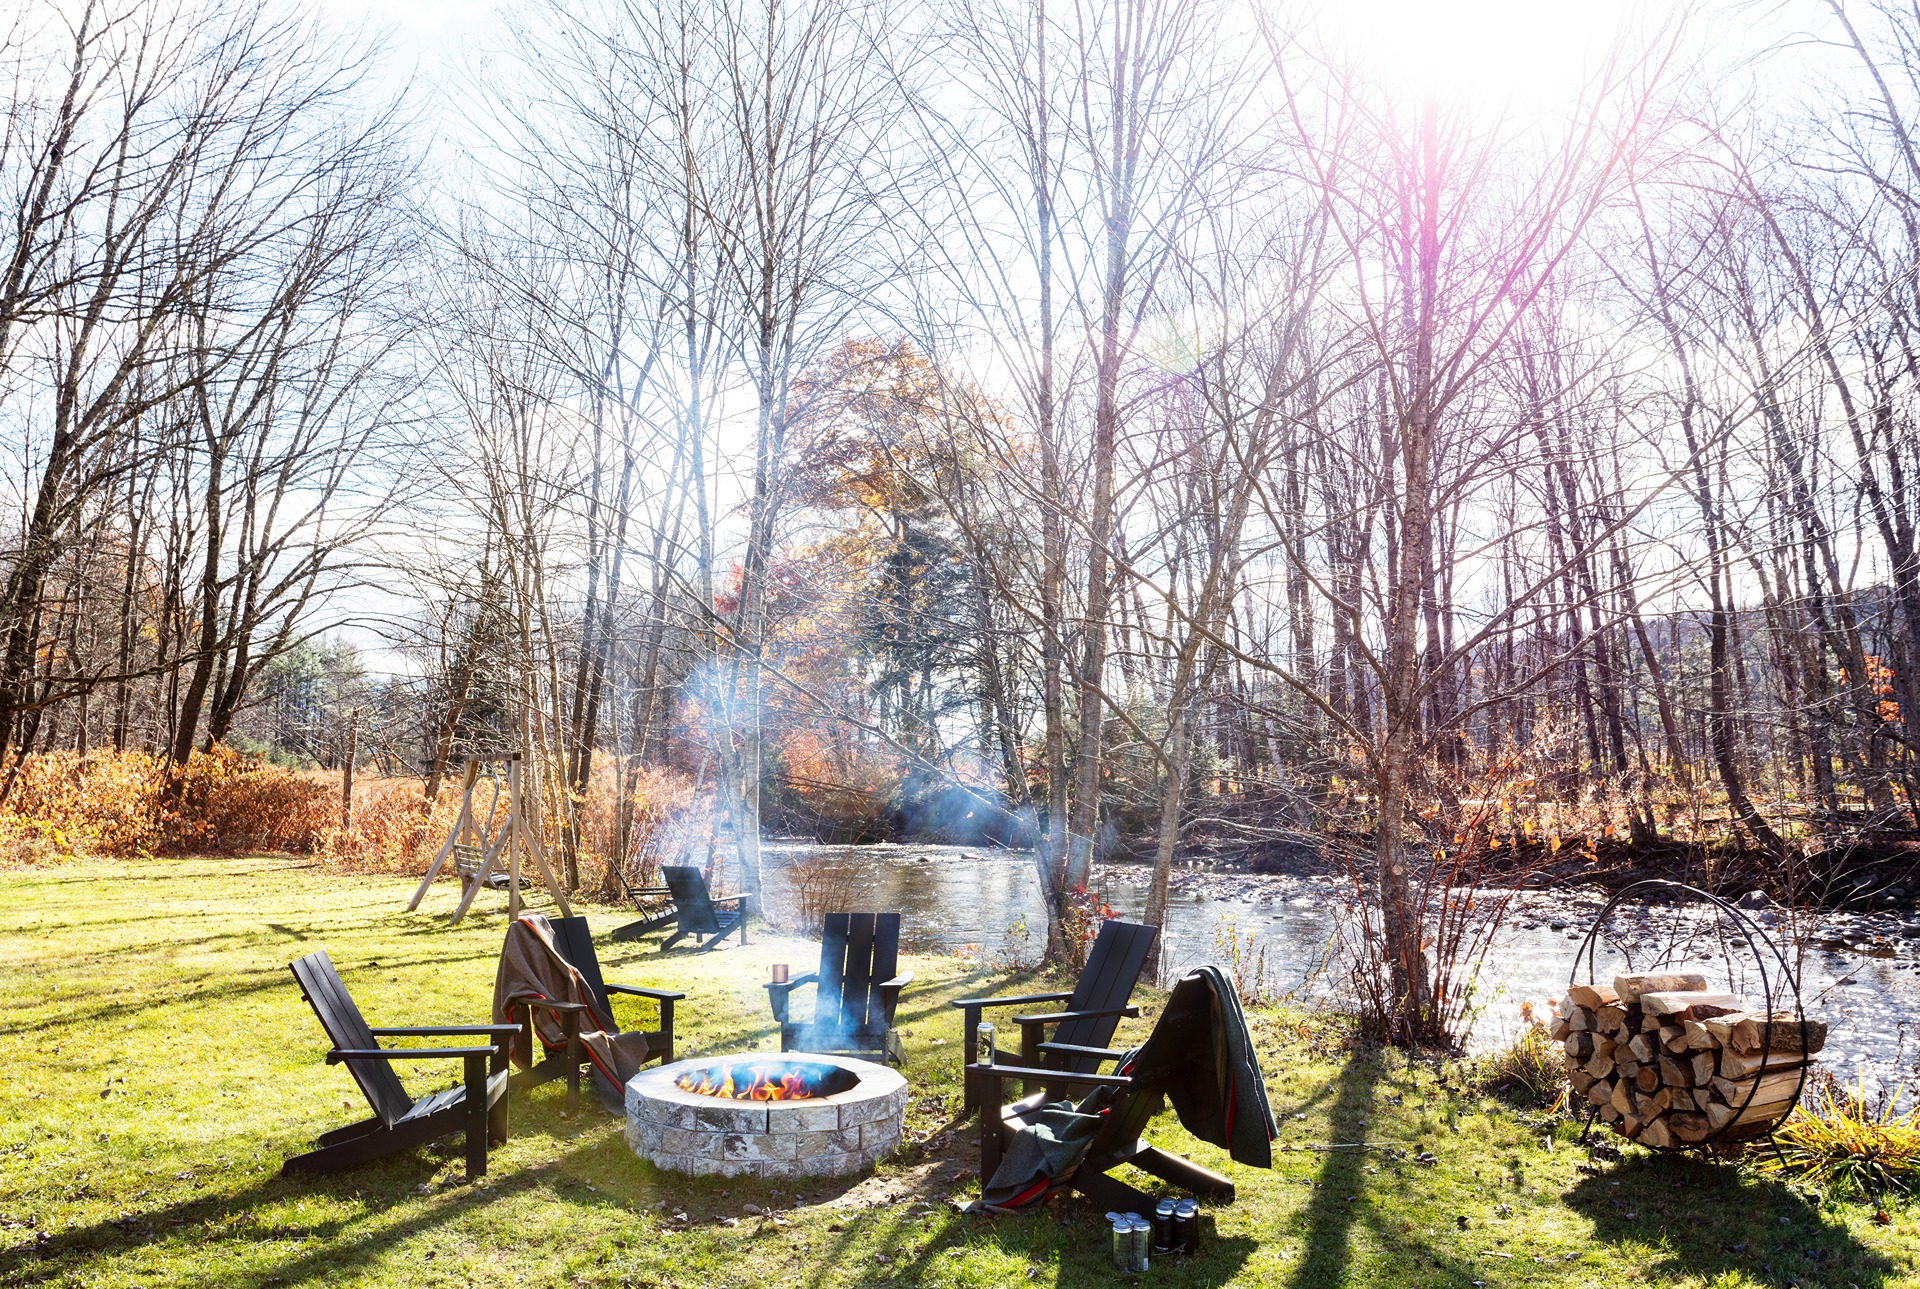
690, 897
328, 997
1113, 968
858, 953
575, 942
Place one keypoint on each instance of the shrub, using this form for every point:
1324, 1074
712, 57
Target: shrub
1532, 1066
133, 803
1846, 1144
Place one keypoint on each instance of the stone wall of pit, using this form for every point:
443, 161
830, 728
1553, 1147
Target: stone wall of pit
817, 1137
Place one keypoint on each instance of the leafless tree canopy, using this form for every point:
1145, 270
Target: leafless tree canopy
1130, 427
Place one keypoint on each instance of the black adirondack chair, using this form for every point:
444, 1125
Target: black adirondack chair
1085, 1025
575, 942
855, 991
708, 918
1200, 1057
642, 898
477, 1106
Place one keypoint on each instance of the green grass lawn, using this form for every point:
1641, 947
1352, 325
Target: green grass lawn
160, 1065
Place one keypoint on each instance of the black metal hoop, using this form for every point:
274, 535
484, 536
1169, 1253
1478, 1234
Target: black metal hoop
1756, 937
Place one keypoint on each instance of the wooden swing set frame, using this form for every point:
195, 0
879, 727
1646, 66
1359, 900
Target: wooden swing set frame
476, 857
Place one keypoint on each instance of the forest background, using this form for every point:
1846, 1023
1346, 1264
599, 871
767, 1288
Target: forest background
1148, 427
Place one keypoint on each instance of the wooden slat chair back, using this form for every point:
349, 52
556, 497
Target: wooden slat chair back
1105, 985
856, 989
858, 953
707, 919
576, 946
349, 1031
1085, 1025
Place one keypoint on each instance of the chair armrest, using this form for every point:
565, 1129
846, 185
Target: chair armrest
1011, 1000
729, 899
898, 983
1051, 1018
340, 1054
545, 1004
662, 995
1053, 1076
777, 991
650, 890
1076, 1049
438, 1031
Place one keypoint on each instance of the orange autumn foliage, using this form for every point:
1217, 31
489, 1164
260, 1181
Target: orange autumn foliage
125, 804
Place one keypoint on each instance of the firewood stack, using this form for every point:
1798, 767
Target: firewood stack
1669, 1063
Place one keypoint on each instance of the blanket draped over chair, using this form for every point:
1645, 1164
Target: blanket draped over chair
1200, 1057
531, 966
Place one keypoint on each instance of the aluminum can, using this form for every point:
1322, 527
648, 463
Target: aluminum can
1120, 1243
1186, 1221
983, 1042
1163, 1240
1142, 1242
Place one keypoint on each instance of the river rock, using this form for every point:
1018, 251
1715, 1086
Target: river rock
1757, 900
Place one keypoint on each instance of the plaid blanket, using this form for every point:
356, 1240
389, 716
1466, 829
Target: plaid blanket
531, 967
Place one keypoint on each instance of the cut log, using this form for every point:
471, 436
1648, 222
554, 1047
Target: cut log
1703, 1069
1604, 1046
1783, 1085
1644, 1048
1681, 1099
1642, 1022
1688, 1128
1625, 1066
1689, 1004
1720, 1116
1582, 1019
1610, 1020
1656, 1134
1675, 1074
1578, 1047
1733, 1065
1648, 1079
1592, 997
1564, 1008
1629, 988
1698, 1039
1631, 1126
1610, 1114
1558, 1029
1622, 1098
1658, 1103
1581, 1081
1600, 1093
1599, 1067
1748, 1032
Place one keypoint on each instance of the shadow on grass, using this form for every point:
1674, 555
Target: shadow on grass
267, 1211
1708, 1224
1326, 1247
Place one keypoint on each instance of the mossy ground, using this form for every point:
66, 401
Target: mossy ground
159, 1066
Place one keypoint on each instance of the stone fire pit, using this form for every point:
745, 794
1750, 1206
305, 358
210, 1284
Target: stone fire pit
787, 1114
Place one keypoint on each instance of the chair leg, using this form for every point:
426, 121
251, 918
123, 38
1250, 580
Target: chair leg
477, 1116
497, 1112
970, 1042
1111, 1194
1183, 1173
573, 1064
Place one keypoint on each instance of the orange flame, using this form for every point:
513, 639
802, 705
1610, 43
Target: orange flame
758, 1084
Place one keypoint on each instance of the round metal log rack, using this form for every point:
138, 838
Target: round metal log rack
1775, 986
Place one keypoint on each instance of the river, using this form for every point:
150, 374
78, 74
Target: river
1860, 971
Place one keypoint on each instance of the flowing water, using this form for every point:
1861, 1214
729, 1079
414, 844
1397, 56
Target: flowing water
1859, 971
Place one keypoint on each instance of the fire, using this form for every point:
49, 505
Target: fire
748, 1082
